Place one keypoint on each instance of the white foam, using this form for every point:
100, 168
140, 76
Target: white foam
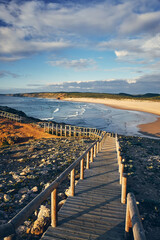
47, 118
57, 110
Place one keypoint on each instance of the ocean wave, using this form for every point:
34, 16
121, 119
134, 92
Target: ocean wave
74, 115
47, 118
82, 111
57, 109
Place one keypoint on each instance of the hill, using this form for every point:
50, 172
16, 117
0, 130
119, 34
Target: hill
63, 95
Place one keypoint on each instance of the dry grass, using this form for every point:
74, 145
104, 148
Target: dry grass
14, 132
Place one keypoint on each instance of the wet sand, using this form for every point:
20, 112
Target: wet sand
151, 129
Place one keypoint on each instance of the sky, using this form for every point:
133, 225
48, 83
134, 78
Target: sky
89, 46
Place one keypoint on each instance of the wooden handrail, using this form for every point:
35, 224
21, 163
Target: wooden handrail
10, 227
69, 130
133, 219
11, 116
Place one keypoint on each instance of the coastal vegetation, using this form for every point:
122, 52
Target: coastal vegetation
63, 95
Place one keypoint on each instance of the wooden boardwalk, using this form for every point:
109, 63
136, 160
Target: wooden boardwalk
95, 212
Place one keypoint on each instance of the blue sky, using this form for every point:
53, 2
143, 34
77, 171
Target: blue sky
96, 46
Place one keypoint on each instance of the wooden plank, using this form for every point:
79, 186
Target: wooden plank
95, 212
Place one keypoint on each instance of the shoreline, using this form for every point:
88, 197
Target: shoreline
153, 107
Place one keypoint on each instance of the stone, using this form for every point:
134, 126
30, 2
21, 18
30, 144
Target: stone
62, 195
21, 230
68, 192
23, 190
6, 198
42, 220
24, 197
34, 189
61, 203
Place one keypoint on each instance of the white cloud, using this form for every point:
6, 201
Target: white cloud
143, 84
121, 53
146, 48
34, 26
78, 64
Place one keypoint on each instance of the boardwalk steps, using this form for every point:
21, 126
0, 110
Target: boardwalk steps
95, 212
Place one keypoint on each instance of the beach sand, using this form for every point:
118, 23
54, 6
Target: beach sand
152, 129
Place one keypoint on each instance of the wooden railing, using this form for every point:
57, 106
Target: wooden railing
123, 176
9, 228
11, 116
68, 130
132, 214
133, 219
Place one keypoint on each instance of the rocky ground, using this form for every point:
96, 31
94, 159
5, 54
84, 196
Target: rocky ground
142, 163
26, 169
28, 164
29, 161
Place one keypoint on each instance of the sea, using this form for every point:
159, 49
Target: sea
92, 115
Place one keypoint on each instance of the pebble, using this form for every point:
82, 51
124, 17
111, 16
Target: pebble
29, 168
6, 198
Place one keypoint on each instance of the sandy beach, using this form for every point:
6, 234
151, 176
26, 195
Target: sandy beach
135, 105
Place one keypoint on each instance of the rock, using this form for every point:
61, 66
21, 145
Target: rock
62, 195
16, 177
20, 160
21, 230
34, 189
6, 198
42, 220
46, 185
23, 173
24, 197
61, 203
68, 192
23, 190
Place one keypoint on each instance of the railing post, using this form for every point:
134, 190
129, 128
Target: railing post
95, 150
75, 132
87, 162
124, 188
137, 227
72, 182
56, 129
119, 163
70, 132
54, 208
128, 223
52, 129
91, 159
121, 172
82, 169
61, 130
65, 131
97, 147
